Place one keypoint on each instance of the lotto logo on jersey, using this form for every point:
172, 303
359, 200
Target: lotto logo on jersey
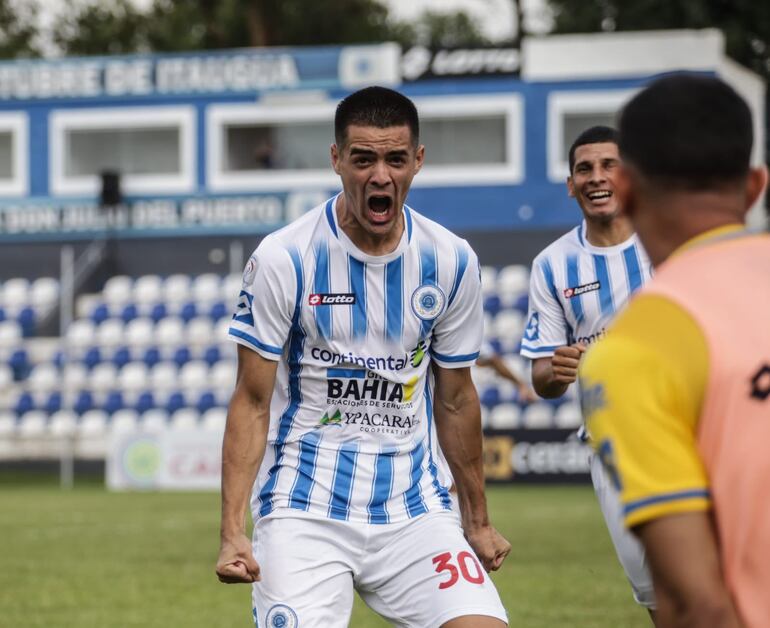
578, 290
332, 298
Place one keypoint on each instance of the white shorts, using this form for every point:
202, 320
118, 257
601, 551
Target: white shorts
628, 548
419, 573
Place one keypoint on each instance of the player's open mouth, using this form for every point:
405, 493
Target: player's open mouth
599, 196
379, 208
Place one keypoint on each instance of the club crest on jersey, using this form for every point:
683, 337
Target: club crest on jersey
582, 289
281, 616
332, 298
428, 301
250, 271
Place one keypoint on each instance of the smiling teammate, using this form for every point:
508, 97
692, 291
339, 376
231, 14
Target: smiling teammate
344, 317
578, 284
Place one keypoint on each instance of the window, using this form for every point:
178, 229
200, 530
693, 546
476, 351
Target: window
274, 146
152, 148
13, 154
569, 114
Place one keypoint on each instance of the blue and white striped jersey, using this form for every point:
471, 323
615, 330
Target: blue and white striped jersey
354, 334
576, 289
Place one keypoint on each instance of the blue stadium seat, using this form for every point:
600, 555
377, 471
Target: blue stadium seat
496, 345
145, 402
188, 312
490, 397
92, 357
159, 311
121, 357
151, 356
84, 402
182, 356
212, 355
522, 304
492, 304
207, 401
27, 319
59, 358
100, 313
24, 403
175, 401
19, 362
114, 402
129, 313
53, 403
218, 310
2, 315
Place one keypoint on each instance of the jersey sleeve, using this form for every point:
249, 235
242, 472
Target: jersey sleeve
547, 327
263, 313
641, 391
459, 330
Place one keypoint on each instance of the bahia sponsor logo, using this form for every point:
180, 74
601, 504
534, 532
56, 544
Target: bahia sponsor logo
332, 298
358, 387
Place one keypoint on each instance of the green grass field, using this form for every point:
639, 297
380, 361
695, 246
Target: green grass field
90, 558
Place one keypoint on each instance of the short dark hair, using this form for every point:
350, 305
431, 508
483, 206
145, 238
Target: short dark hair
375, 106
594, 135
689, 130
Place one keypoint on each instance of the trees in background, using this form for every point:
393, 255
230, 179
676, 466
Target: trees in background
18, 30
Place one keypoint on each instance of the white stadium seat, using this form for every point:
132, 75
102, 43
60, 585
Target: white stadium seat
169, 332
509, 324
222, 375
133, 377
10, 334
103, 377
6, 377
231, 288
221, 331
155, 420
206, 288
504, 416
488, 280
43, 378
538, 415
138, 332
92, 424
184, 419
7, 424
200, 332
568, 415
512, 282
194, 376
125, 420
32, 424
164, 376
81, 334
176, 289
148, 290
44, 293
214, 419
74, 376
15, 293
63, 424
109, 334
117, 290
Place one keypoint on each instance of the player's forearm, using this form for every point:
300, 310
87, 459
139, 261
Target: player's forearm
458, 424
242, 451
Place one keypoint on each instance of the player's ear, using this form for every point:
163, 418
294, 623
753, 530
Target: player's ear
570, 187
756, 184
419, 158
335, 156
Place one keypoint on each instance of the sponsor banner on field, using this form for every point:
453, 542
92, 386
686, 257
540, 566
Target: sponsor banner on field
166, 460
553, 456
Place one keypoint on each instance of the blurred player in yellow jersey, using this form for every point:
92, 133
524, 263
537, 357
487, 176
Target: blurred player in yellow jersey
678, 394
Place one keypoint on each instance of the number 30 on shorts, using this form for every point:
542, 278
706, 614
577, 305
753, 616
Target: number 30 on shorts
469, 568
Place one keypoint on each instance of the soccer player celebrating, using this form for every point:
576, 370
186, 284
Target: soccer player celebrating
685, 436
578, 284
344, 318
